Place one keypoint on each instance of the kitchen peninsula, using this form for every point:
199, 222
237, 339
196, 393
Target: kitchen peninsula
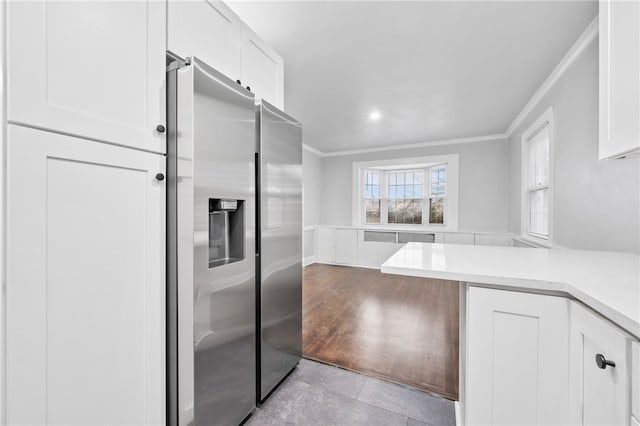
546, 335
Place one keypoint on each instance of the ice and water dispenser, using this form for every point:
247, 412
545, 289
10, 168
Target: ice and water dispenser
226, 231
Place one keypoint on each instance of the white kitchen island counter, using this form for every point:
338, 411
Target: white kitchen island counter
607, 282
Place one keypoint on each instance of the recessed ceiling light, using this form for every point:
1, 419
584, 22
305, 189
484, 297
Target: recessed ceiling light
375, 115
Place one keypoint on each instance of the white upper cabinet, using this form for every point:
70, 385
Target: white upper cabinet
211, 31
262, 69
208, 30
619, 82
91, 69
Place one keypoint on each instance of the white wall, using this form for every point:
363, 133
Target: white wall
596, 202
312, 189
484, 174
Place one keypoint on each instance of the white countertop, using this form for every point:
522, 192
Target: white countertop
608, 282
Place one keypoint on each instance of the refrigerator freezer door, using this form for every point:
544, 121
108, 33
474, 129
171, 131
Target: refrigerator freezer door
280, 144
216, 303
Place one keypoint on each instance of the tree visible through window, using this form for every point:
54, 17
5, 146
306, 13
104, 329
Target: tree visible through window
405, 197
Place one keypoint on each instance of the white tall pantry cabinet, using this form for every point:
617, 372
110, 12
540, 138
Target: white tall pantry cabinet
85, 197
85, 204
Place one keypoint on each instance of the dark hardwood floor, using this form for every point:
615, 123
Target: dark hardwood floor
403, 329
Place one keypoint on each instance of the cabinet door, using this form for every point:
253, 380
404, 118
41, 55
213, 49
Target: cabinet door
635, 380
326, 245
368, 251
347, 246
85, 282
92, 69
262, 69
517, 358
457, 238
619, 46
598, 396
208, 30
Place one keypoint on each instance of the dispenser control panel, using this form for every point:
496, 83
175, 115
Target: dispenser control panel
216, 204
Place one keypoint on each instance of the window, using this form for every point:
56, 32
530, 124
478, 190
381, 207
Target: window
537, 178
437, 194
405, 196
407, 193
372, 196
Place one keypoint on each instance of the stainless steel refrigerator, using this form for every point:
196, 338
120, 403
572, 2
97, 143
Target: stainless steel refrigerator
211, 255
279, 284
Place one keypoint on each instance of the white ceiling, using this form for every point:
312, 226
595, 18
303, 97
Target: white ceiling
434, 70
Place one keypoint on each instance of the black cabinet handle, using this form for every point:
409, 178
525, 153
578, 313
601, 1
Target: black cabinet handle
160, 128
160, 176
248, 88
602, 362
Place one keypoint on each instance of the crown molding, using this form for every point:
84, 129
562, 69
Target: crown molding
569, 58
486, 138
313, 150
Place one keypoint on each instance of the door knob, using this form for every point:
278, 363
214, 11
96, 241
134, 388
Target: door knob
160, 128
160, 176
602, 362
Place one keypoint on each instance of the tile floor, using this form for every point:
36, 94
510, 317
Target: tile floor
316, 394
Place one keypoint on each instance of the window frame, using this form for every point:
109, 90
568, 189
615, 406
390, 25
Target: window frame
423, 164
527, 189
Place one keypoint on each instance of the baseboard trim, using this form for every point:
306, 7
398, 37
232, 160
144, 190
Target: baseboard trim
308, 260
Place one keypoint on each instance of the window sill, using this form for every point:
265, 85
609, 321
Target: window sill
536, 241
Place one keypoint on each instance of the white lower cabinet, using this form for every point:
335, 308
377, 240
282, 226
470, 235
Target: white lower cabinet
85, 282
493, 240
325, 245
600, 393
346, 246
635, 382
458, 238
541, 360
517, 358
